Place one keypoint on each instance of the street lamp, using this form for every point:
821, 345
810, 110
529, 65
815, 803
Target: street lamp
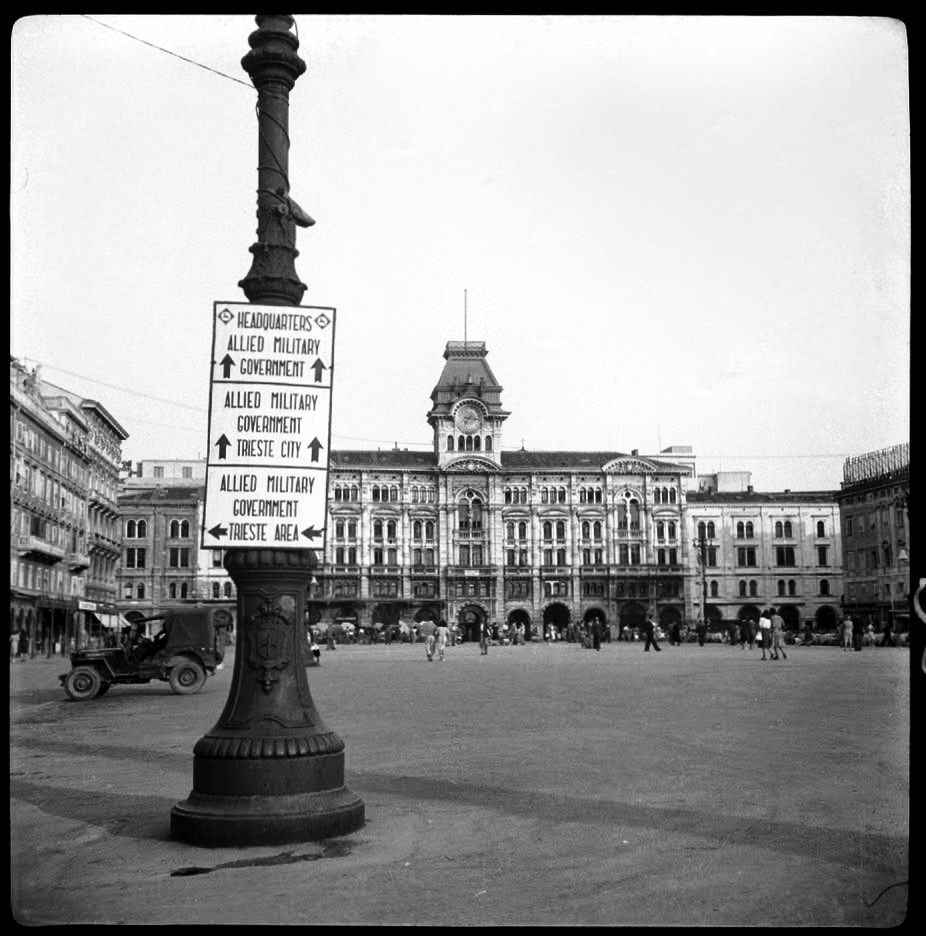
702, 543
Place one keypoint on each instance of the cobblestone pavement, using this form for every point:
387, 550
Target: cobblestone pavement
537, 785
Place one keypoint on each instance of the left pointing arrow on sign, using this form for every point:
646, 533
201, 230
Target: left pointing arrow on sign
218, 531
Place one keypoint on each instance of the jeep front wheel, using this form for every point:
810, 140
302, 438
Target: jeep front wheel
82, 683
187, 678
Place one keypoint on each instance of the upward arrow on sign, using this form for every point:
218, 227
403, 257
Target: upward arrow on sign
223, 444
227, 364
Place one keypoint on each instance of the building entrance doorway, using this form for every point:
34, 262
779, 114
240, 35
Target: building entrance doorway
470, 619
556, 615
520, 616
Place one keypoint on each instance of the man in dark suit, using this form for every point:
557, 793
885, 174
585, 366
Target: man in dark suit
650, 630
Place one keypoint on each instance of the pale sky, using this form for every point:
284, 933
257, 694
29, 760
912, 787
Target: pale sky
669, 230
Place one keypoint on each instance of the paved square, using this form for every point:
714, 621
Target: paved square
536, 785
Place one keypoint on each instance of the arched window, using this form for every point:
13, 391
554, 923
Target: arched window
352, 529
416, 530
352, 555
547, 530
779, 529
339, 529
750, 530
377, 529
672, 530
185, 528
741, 530
461, 444
596, 528
660, 530
788, 532
714, 589
174, 529
477, 443
661, 557
140, 591
561, 529
781, 586
130, 530
743, 588
657, 495
228, 590
586, 529
821, 531
429, 530
824, 587
792, 587
710, 529
702, 530
172, 590
672, 495
522, 531
393, 493
183, 589
753, 588
509, 531
142, 529
216, 589
450, 443
338, 560
469, 443
561, 557
390, 529
469, 513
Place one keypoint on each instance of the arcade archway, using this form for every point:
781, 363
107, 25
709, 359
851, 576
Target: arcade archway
825, 618
556, 615
520, 616
471, 618
791, 616
633, 616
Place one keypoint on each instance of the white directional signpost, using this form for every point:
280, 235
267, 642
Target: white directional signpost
269, 427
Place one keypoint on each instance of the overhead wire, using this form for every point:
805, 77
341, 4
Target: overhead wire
168, 52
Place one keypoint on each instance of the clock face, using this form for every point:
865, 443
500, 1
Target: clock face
468, 419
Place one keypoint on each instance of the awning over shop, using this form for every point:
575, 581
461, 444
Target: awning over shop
110, 621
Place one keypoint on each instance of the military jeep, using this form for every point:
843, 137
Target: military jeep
188, 648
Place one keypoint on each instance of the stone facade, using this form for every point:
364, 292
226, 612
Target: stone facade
65, 541
874, 508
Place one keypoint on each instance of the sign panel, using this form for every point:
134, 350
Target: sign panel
269, 427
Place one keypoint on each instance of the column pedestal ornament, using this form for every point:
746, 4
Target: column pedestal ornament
270, 771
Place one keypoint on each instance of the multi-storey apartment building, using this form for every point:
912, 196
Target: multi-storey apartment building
759, 550
163, 563
874, 509
64, 457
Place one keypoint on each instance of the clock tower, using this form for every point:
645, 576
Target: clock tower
466, 413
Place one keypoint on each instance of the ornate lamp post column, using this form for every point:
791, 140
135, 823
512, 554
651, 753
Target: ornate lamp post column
270, 771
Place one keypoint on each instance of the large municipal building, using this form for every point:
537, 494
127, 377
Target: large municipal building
473, 532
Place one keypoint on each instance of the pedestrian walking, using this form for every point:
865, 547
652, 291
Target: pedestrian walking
443, 636
316, 652
484, 638
777, 630
858, 634
701, 630
887, 638
650, 628
428, 630
596, 634
744, 633
731, 630
846, 633
765, 633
